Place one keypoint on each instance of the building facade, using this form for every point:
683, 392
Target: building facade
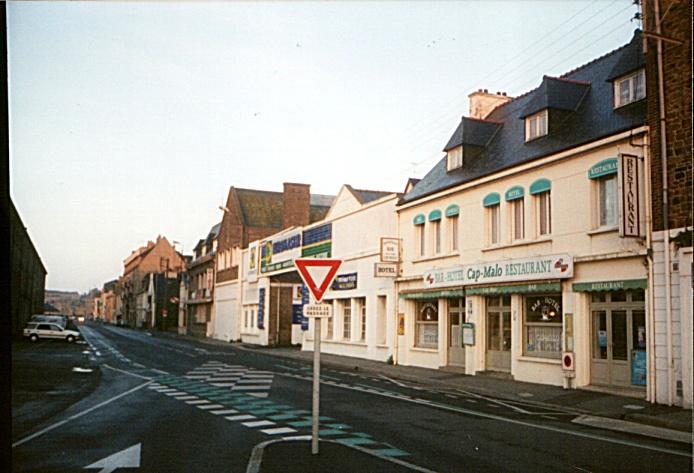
27, 275
504, 269
201, 278
155, 257
668, 47
250, 215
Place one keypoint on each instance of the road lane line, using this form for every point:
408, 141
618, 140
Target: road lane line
80, 414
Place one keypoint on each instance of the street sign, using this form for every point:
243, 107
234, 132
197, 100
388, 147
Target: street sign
318, 310
318, 274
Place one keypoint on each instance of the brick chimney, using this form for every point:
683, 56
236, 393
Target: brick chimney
297, 205
482, 102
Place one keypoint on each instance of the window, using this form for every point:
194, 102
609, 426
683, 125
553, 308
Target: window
361, 303
607, 200
454, 158
436, 236
494, 215
536, 126
543, 211
427, 324
420, 241
629, 89
517, 219
347, 320
542, 326
329, 331
453, 234
381, 320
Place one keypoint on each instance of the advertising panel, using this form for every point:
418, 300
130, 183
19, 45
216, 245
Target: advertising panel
280, 251
535, 268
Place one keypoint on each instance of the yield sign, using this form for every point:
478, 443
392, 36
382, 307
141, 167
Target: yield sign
317, 273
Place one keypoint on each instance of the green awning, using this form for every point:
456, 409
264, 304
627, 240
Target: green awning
609, 285
514, 289
433, 294
452, 210
434, 215
491, 199
420, 219
539, 186
603, 168
515, 192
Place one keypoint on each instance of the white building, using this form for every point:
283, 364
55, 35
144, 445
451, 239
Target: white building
527, 241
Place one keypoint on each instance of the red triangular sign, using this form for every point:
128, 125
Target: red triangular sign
318, 274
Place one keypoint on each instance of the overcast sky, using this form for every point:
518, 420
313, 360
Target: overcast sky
132, 120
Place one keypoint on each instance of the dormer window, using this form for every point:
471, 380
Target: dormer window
536, 125
629, 89
454, 158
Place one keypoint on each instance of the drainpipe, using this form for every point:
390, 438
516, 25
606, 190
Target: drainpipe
666, 229
650, 334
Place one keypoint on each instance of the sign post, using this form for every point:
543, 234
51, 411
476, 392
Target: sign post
317, 274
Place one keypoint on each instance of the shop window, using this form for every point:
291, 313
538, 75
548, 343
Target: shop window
427, 325
542, 326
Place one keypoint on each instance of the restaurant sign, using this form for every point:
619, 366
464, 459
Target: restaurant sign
559, 266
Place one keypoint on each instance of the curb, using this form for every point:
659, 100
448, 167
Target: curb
256, 460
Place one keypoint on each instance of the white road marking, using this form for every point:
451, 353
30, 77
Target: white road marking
259, 423
80, 414
240, 417
278, 431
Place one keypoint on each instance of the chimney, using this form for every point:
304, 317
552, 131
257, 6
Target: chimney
482, 102
297, 205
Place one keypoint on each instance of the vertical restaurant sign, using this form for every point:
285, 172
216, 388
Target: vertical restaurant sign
261, 307
280, 251
629, 183
252, 262
317, 242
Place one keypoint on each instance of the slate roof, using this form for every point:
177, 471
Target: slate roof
263, 209
366, 196
592, 118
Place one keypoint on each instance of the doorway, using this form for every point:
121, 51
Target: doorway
499, 333
618, 338
456, 317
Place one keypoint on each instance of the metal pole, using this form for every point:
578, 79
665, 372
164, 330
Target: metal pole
316, 384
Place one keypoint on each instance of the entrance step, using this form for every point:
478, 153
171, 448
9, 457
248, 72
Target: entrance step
495, 374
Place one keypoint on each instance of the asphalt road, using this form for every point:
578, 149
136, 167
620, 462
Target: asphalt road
179, 405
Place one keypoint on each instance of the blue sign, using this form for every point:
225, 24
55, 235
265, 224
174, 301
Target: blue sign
638, 367
261, 307
297, 313
304, 300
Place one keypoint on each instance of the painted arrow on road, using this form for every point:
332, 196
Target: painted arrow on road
128, 458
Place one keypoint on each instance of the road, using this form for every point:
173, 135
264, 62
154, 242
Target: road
168, 403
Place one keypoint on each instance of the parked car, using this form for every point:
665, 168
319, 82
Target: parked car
51, 319
36, 330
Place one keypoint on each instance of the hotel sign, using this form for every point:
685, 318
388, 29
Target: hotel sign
390, 250
559, 266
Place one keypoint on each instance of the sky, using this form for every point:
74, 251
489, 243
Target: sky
131, 120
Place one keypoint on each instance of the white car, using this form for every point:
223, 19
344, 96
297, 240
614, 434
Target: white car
36, 330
